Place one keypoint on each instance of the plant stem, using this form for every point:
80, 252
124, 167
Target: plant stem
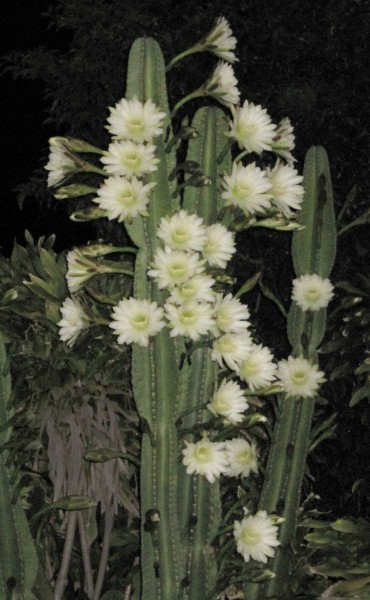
196, 94
85, 555
108, 525
62, 578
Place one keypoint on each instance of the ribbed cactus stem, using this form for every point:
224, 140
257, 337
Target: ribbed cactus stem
313, 251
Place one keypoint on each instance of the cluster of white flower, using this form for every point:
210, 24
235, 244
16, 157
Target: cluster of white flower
129, 158
60, 165
184, 268
235, 458
252, 189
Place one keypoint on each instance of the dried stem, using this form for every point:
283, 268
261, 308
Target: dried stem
62, 578
108, 525
89, 583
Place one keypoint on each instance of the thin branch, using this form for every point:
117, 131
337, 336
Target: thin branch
62, 578
108, 525
85, 550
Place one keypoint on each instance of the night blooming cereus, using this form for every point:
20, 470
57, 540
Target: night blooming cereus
195, 361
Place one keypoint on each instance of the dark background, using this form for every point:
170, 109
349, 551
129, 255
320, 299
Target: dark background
307, 60
298, 58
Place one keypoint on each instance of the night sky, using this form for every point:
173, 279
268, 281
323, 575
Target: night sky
24, 137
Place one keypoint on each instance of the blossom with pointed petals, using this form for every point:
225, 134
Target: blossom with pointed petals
135, 321
220, 41
60, 165
73, 322
231, 349
256, 537
228, 401
283, 143
205, 458
123, 198
247, 187
301, 378
80, 269
182, 231
219, 245
258, 369
135, 120
196, 289
252, 128
172, 267
241, 456
312, 292
192, 319
231, 315
127, 159
222, 84
286, 188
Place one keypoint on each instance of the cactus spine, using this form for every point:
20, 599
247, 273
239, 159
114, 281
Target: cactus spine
313, 251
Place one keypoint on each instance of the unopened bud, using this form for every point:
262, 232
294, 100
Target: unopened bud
73, 191
74, 145
88, 214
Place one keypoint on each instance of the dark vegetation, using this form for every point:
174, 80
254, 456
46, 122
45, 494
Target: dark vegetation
299, 59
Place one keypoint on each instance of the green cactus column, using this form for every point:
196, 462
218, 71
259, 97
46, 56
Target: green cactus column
313, 251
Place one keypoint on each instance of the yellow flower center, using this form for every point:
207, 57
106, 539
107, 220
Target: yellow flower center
312, 293
299, 377
180, 235
127, 198
250, 537
202, 454
220, 403
140, 322
244, 456
178, 271
188, 317
249, 368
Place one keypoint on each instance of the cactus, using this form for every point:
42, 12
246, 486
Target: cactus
20, 575
313, 251
180, 516
175, 370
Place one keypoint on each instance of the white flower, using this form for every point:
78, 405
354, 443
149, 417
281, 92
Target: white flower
247, 187
283, 143
205, 458
219, 245
123, 198
129, 159
172, 267
73, 322
191, 319
241, 456
222, 84
231, 349
252, 128
80, 269
135, 120
312, 292
256, 537
228, 401
135, 321
300, 378
196, 289
258, 370
231, 315
182, 231
286, 188
61, 164
220, 41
